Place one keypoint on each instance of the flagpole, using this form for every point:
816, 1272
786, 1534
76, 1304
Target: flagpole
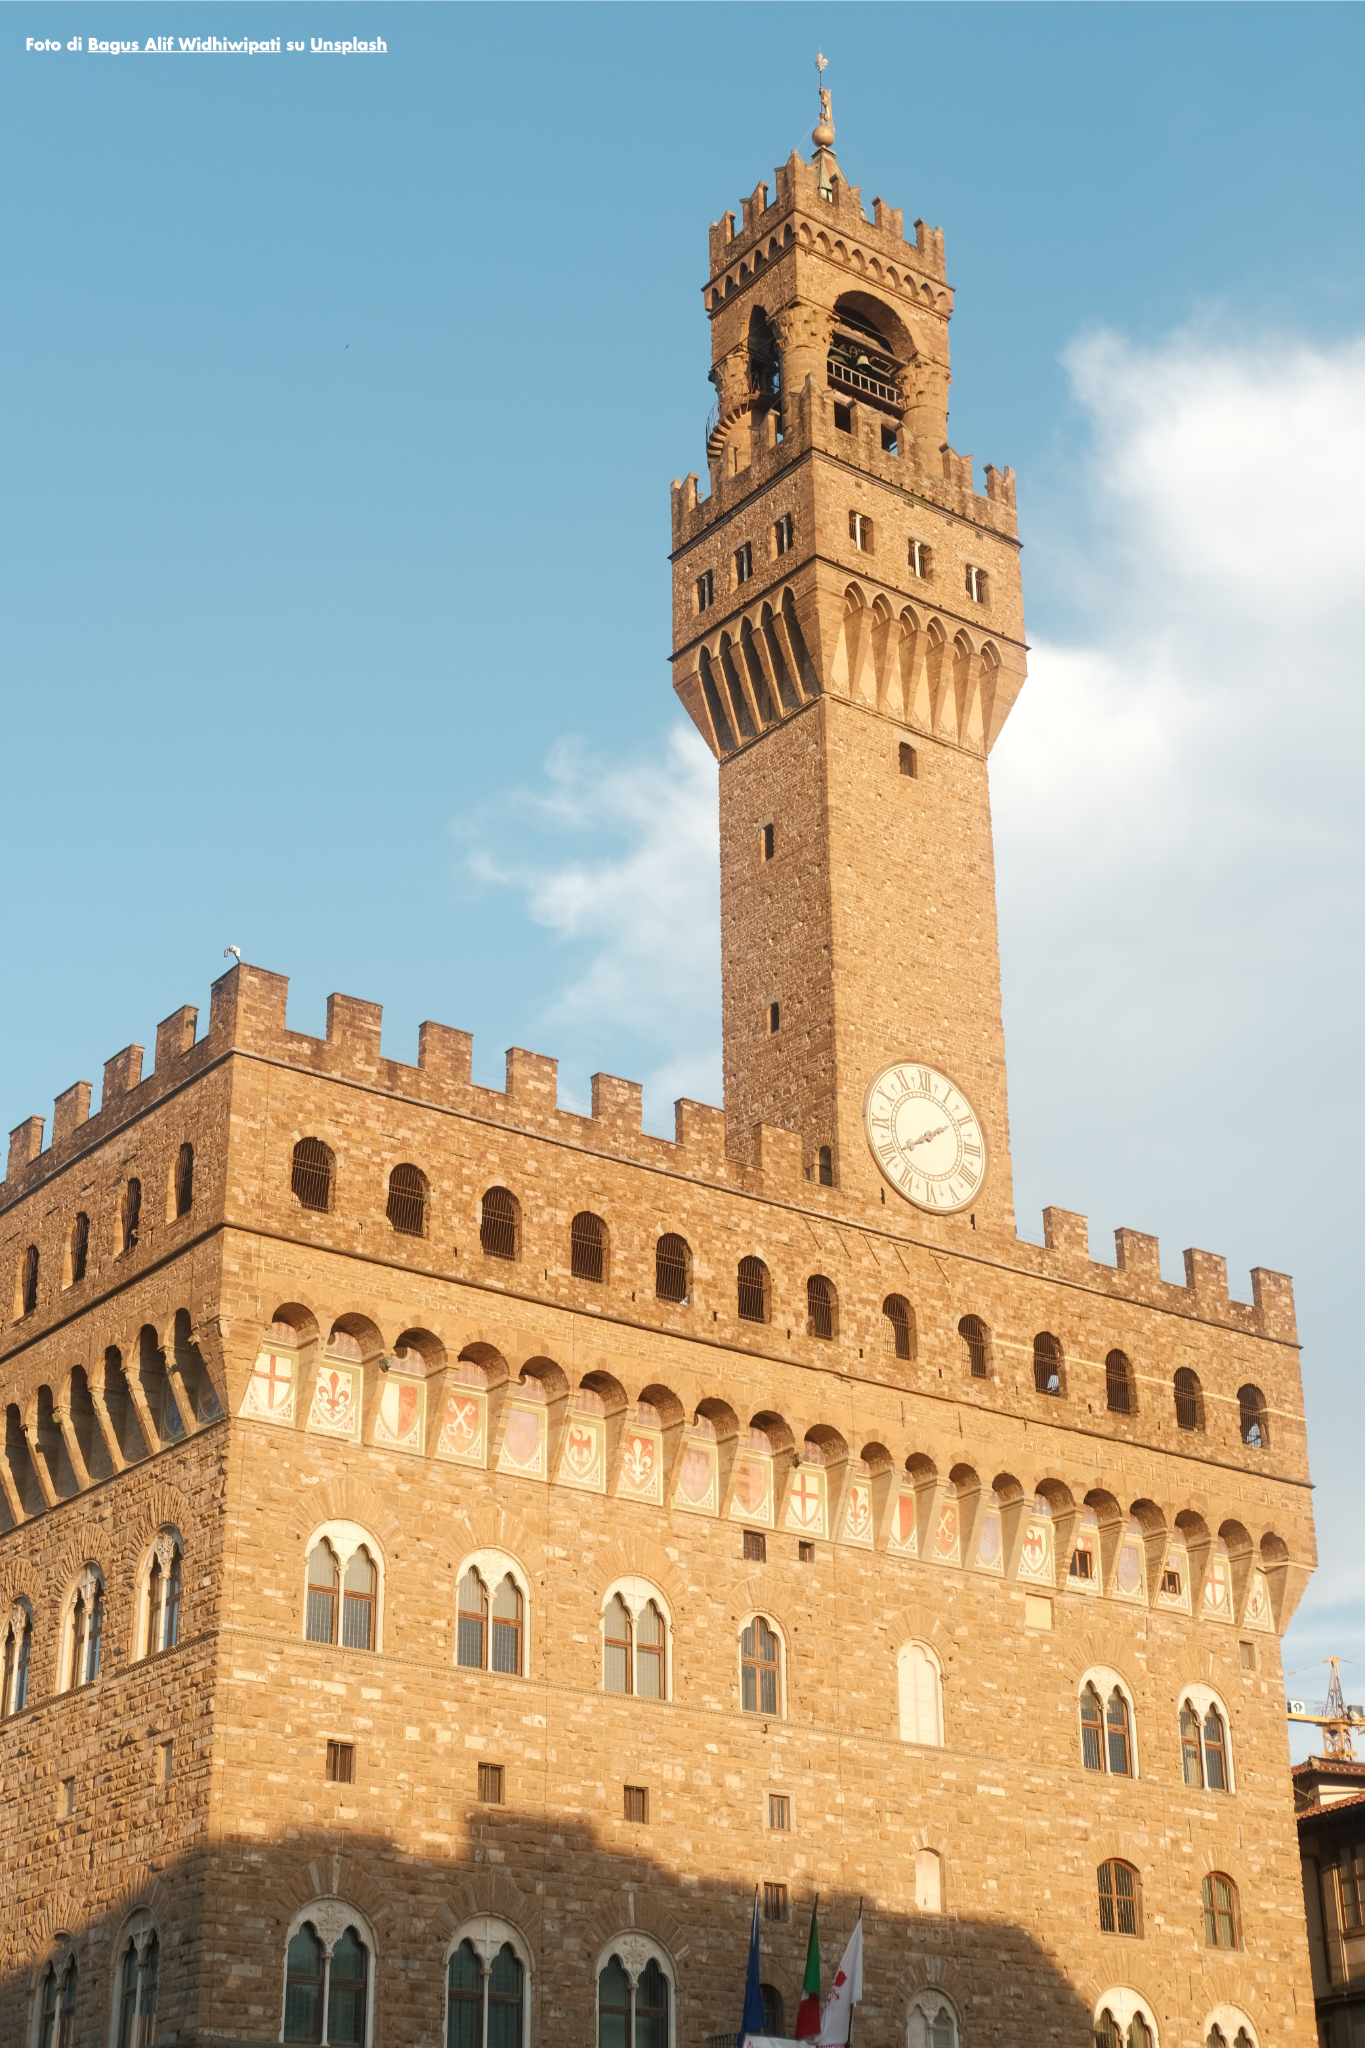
852, 2010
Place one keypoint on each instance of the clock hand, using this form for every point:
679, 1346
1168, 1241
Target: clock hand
925, 1136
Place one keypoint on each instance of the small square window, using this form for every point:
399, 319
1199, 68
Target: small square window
744, 562
889, 446
637, 1803
1247, 1652
1082, 1564
782, 533
779, 1811
805, 1552
774, 1018
705, 590
909, 760
341, 1763
921, 560
843, 418
860, 532
978, 585
492, 1784
776, 1905
769, 842
755, 1546
1170, 1584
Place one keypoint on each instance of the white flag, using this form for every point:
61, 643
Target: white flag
845, 1993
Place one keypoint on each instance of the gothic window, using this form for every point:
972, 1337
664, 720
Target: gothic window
498, 1224
1109, 2031
921, 560
327, 1980
1204, 1745
588, 1247
28, 1281
320, 1623
931, 2022
80, 1246
406, 1208
164, 1576
1222, 1918
131, 1213
303, 1987
760, 1662
1189, 1400
489, 1632
358, 1602
1047, 1363
485, 2004
634, 1647
898, 1327
137, 1990
343, 1589
311, 1174
1106, 1715
1120, 1890
1215, 1752
1118, 1736
1092, 1740
1118, 1384
975, 1346
472, 1623
825, 1167
1251, 1416
182, 1186
821, 1306
633, 2004
672, 1261
1350, 1869
57, 2007
86, 1630
921, 1695
753, 1291
18, 1658
928, 1881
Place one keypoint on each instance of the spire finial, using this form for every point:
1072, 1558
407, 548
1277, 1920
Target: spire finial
822, 135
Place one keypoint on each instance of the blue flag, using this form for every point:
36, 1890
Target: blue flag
755, 2020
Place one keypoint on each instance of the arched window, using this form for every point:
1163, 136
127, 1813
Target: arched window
1120, 1890
406, 1207
1107, 1734
1118, 1384
311, 1174
928, 1881
164, 1577
498, 1224
1092, 1730
1204, 1756
825, 1167
485, 2008
1251, 1416
1118, 1736
1109, 2023
327, 1979
28, 1281
931, 2021
344, 1588
1047, 1363
975, 1346
1189, 1400
760, 1662
634, 1998
57, 2006
774, 2010
753, 1291
131, 1214
1222, 1915
822, 1306
489, 1632
86, 1630
18, 1657
898, 1327
920, 1680
634, 1645
80, 1247
137, 1990
672, 1262
588, 1246
182, 1183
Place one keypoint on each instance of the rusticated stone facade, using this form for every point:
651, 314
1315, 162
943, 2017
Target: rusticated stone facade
947, 1538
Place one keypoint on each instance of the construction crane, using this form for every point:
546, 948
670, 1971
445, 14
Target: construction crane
1336, 1719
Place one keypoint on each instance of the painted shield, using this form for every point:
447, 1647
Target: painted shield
945, 1535
462, 1428
858, 1518
400, 1414
333, 1408
696, 1472
521, 1439
640, 1467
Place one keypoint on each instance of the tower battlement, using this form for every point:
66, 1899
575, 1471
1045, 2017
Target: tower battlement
798, 189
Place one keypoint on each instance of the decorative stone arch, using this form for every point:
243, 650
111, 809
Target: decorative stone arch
491, 1527
637, 1950
139, 1927
487, 1934
1107, 1679
492, 1893
304, 1321
165, 1506
330, 1917
922, 2024
352, 1500
345, 1539
637, 1590
643, 1559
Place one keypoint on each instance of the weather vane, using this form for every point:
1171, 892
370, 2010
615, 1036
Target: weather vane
823, 135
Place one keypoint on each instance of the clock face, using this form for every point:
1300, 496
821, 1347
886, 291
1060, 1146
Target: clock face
925, 1136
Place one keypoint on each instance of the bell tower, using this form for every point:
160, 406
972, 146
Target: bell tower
848, 639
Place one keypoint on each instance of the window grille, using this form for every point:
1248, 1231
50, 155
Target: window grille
649, 1653
1220, 1911
758, 1668
506, 1643
346, 1990
779, 1812
1119, 1736
1189, 1405
464, 1999
753, 1291
921, 560
616, 1646
28, 1282
587, 1246
769, 841
138, 1995
406, 1207
320, 1621
775, 1902
498, 1224
1191, 1757
1047, 1363
1351, 1885
774, 1019
825, 1166
58, 2020
341, 1763
898, 1331
744, 561
1252, 1418
1215, 1752
820, 1306
358, 1603
311, 1174
303, 1978
975, 1346
132, 1211
637, 1804
755, 1547
670, 1268
471, 1628
860, 532
184, 1180
1092, 1754
783, 533
805, 1551
909, 760
492, 1784
1120, 1899
80, 1246
1118, 1384
706, 590
774, 2011
87, 1632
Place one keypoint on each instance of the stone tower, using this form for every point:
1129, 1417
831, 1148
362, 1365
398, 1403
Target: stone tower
849, 637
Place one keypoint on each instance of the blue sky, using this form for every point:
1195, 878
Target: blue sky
342, 397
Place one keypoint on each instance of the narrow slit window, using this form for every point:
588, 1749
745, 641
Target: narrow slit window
783, 534
825, 1166
184, 1180
921, 560
860, 532
769, 842
706, 590
774, 1019
909, 760
80, 1246
776, 1905
843, 419
744, 561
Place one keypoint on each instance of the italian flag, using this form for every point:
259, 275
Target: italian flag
808, 2014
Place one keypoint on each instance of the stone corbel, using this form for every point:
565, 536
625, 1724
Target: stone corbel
11, 1491
64, 1423
188, 1418
107, 1430
330, 1921
39, 1464
636, 1957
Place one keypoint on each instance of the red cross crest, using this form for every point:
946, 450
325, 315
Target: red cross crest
806, 1501
273, 1382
